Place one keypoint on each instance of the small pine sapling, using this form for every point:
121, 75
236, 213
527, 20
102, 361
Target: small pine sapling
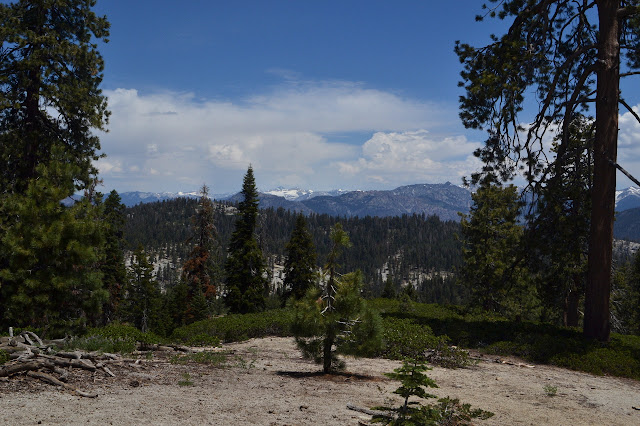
414, 382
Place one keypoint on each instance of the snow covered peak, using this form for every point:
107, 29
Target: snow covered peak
291, 194
627, 198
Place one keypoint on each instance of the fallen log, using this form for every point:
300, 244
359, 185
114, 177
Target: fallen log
47, 378
14, 367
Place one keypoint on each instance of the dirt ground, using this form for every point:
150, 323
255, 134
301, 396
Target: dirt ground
267, 383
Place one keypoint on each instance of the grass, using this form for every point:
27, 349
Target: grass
186, 380
550, 390
215, 359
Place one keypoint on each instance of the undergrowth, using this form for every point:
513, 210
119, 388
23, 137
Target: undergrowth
536, 342
427, 330
113, 338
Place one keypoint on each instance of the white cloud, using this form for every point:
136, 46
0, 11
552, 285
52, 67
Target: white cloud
312, 135
412, 157
302, 132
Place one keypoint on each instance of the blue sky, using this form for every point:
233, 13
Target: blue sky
314, 94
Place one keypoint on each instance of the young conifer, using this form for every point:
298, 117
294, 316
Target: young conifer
300, 264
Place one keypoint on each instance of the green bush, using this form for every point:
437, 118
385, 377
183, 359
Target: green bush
403, 338
238, 327
115, 337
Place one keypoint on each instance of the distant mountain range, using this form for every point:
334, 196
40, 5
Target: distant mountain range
444, 200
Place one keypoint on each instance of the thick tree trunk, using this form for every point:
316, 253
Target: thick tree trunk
596, 311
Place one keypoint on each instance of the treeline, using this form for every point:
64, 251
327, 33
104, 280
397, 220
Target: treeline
404, 244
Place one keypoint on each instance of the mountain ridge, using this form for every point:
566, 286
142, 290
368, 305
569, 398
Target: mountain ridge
445, 200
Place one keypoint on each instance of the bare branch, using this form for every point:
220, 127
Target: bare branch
626, 105
627, 74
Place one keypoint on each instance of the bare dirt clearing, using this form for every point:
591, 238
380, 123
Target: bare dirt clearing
267, 383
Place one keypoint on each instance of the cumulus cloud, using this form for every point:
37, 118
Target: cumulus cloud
413, 156
162, 141
318, 135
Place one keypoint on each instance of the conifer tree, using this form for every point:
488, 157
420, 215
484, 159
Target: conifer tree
50, 274
569, 55
113, 266
494, 268
300, 264
562, 215
142, 294
245, 270
50, 72
50, 102
200, 269
336, 319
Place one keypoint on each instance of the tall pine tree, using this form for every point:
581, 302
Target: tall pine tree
200, 269
50, 102
569, 55
113, 266
246, 282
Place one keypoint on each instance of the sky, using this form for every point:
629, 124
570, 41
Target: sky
320, 95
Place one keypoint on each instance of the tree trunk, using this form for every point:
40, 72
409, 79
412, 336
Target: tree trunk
596, 310
326, 354
571, 305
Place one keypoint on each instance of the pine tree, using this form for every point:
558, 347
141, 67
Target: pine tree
245, 270
113, 266
300, 264
50, 101
200, 269
569, 55
142, 293
562, 215
50, 72
494, 268
50, 274
336, 319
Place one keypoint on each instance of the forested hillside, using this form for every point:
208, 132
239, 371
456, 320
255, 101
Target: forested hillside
410, 248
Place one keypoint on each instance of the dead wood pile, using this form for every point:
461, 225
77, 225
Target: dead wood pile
45, 360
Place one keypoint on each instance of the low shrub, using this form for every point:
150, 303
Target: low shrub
115, 337
238, 327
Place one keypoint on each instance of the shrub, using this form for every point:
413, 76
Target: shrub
237, 327
115, 337
404, 338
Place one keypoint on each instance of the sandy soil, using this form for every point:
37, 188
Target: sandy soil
267, 383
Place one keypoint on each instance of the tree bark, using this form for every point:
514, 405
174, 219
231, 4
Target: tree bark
596, 315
